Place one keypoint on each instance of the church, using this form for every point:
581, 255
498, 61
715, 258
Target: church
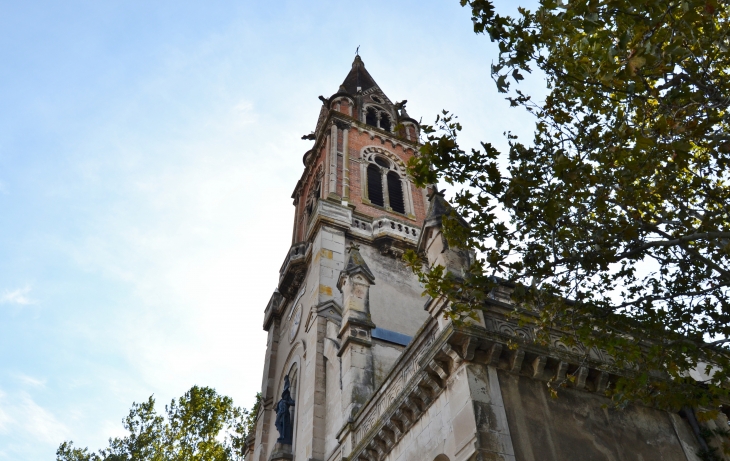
361, 367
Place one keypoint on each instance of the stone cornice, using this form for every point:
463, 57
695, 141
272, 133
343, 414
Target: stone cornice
421, 373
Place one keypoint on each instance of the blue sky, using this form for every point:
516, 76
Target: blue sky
148, 151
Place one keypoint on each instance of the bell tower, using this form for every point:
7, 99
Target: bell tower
346, 304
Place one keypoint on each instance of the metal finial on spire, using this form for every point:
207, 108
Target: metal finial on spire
357, 50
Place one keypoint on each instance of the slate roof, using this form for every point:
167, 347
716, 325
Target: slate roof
358, 77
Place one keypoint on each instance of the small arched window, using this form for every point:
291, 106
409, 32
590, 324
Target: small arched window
379, 118
371, 117
384, 121
395, 193
375, 185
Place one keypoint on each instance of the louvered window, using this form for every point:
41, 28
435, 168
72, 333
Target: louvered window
375, 185
395, 193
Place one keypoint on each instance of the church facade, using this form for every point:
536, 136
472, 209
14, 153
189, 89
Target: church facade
360, 366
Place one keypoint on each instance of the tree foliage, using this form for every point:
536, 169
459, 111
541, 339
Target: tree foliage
200, 426
614, 220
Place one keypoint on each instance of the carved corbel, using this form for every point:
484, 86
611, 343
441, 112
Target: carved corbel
431, 384
403, 418
562, 369
602, 382
468, 349
436, 368
421, 395
453, 356
379, 446
494, 353
372, 451
393, 428
413, 408
580, 377
538, 365
387, 438
516, 362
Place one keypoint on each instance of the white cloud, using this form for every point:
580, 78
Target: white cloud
22, 416
18, 296
36, 420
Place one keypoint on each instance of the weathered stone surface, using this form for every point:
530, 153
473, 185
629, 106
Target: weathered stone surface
577, 426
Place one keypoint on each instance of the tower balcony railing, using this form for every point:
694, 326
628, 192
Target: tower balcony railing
392, 228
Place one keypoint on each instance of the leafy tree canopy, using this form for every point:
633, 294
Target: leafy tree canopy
200, 426
613, 222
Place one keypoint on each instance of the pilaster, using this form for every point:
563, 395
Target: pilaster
333, 159
356, 333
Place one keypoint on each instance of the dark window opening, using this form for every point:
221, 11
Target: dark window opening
385, 122
382, 162
375, 185
395, 193
371, 117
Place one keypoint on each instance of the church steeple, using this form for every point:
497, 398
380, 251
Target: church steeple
329, 323
359, 79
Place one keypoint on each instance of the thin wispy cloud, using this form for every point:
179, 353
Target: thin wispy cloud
24, 417
19, 296
29, 381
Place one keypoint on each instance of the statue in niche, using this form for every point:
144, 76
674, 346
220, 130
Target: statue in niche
283, 415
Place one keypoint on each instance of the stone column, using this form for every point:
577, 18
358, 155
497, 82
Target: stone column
333, 160
327, 162
408, 197
384, 181
345, 161
355, 334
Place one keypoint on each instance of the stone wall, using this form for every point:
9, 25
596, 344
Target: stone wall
582, 425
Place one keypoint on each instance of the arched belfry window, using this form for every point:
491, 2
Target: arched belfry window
379, 118
395, 193
371, 117
375, 185
386, 182
384, 121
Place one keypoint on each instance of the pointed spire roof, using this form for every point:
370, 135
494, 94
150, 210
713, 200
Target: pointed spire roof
355, 264
437, 209
358, 77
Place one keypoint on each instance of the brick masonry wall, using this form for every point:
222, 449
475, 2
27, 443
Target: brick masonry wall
357, 142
